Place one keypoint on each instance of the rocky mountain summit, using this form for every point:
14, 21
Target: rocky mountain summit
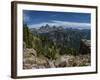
59, 34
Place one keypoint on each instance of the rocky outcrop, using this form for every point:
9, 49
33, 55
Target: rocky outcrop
30, 51
71, 61
85, 46
31, 61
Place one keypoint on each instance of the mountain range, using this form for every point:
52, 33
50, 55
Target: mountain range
70, 37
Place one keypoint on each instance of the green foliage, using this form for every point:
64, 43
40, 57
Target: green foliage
51, 52
27, 36
71, 51
44, 46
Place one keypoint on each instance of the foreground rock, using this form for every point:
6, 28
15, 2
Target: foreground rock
32, 61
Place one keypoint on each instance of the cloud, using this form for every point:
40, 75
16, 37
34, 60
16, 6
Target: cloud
73, 24
65, 24
26, 18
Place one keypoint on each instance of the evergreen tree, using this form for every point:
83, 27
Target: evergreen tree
27, 36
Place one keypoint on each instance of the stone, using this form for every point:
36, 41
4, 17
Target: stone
30, 51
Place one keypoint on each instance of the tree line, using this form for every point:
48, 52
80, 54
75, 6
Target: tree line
44, 46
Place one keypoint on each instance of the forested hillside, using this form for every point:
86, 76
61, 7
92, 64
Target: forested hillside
53, 42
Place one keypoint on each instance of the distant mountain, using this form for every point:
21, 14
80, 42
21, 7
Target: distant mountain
66, 36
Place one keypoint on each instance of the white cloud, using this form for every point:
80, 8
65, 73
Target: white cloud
26, 18
64, 24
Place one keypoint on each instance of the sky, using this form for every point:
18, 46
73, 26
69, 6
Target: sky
36, 19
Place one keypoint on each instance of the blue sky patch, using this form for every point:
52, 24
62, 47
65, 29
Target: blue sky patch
35, 19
